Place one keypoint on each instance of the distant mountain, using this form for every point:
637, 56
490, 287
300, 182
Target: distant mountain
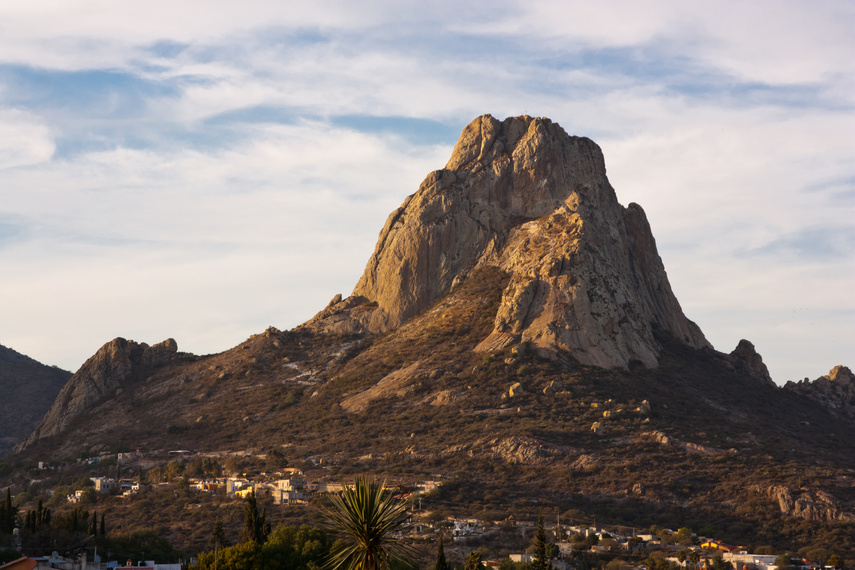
27, 390
515, 332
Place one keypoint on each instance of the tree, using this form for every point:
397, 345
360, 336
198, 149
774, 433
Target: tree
473, 561
364, 516
103, 526
255, 525
538, 548
783, 562
441, 564
695, 557
218, 535
719, 563
835, 561
9, 513
683, 536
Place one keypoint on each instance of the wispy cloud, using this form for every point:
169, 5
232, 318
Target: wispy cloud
200, 170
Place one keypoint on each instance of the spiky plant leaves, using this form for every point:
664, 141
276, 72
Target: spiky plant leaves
364, 517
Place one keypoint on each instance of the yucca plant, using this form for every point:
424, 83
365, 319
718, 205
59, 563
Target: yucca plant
363, 517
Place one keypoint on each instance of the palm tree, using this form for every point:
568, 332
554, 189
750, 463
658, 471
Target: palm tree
364, 516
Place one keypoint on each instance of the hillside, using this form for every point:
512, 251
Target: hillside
28, 389
514, 333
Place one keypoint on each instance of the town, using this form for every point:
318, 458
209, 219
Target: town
497, 542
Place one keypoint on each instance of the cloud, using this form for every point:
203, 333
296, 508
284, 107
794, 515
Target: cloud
203, 170
24, 140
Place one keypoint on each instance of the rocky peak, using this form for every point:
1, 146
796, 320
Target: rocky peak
745, 358
115, 364
523, 195
835, 390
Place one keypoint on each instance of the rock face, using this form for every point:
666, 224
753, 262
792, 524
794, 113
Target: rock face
745, 358
100, 377
808, 504
522, 195
835, 390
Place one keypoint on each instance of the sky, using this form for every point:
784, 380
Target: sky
202, 170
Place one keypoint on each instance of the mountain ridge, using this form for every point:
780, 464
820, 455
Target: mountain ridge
28, 389
549, 362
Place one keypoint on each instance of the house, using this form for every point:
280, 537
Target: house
467, 527
146, 565
105, 485
524, 558
718, 546
233, 485
329, 487
206, 486
24, 563
289, 497
295, 483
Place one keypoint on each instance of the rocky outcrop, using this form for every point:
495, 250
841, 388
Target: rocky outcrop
523, 195
746, 360
513, 450
115, 364
811, 505
398, 384
835, 390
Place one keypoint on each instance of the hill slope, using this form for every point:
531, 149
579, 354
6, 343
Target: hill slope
28, 389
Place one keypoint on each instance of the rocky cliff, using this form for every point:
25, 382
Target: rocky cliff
102, 376
835, 390
521, 194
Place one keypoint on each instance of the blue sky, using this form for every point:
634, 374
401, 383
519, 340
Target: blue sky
203, 170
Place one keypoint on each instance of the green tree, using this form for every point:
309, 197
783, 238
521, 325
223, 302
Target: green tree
719, 563
103, 526
783, 562
683, 536
695, 557
364, 516
286, 547
255, 525
473, 561
174, 470
218, 535
10, 513
538, 548
835, 561
441, 563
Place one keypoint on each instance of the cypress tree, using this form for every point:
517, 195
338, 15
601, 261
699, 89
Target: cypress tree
538, 544
40, 513
255, 526
9, 513
103, 526
218, 535
93, 527
441, 564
